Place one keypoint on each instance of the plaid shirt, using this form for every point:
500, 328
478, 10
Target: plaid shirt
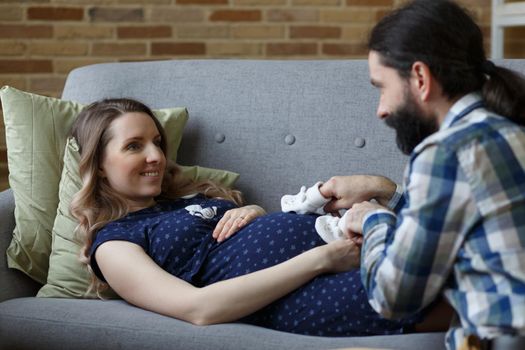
459, 228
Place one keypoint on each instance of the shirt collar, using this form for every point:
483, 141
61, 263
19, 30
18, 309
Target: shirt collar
458, 109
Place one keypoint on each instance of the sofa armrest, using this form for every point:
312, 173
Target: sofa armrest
14, 283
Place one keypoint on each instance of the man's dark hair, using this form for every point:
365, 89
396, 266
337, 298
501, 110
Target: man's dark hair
445, 37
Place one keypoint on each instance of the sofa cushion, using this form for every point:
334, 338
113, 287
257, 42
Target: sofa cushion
14, 283
88, 324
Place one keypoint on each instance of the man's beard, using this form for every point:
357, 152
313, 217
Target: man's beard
411, 124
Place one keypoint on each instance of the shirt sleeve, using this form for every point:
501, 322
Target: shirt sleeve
407, 258
397, 201
117, 231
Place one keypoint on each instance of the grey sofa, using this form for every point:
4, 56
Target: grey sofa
280, 124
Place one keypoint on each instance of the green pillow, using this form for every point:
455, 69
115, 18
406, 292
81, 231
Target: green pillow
67, 277
36, 129
223, 177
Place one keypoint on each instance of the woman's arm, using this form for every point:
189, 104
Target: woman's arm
137, 279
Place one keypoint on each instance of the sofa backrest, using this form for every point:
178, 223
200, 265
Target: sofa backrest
283, 123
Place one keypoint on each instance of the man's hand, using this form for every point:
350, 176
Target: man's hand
348, 190
354, 220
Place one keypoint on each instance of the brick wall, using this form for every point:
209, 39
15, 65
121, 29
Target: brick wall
42, 40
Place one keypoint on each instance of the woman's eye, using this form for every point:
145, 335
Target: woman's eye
133, 146
158, 142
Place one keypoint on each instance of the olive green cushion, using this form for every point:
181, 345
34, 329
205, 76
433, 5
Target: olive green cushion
67, 277
197, 173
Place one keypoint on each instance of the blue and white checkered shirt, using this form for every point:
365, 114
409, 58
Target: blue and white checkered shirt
459, 228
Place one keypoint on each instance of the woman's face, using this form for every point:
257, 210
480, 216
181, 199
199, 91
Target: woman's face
133, 162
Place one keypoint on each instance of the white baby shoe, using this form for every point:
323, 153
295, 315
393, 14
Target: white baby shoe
306, 201
330, 228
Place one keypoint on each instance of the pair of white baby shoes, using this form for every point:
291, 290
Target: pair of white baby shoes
309, 201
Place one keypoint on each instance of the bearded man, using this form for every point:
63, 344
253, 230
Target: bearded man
458, 229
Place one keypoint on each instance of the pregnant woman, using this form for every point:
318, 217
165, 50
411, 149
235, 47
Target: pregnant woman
190, 251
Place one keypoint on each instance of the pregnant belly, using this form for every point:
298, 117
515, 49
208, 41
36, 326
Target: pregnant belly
267, 241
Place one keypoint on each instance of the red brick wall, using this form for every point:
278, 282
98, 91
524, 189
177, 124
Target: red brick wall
42, 40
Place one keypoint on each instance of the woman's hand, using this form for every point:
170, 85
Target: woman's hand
234, 219
339, 256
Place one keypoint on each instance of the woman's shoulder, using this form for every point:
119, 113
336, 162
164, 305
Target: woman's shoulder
138, 217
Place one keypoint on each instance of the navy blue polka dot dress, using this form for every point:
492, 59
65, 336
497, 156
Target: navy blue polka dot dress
177, 236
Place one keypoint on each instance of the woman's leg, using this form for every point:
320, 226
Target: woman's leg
330, 305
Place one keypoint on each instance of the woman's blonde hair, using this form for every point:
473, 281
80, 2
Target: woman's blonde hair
97, 203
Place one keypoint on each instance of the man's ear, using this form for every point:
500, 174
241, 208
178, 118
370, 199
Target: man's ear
421, 80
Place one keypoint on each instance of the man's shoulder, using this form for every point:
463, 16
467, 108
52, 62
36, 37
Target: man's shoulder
482, 128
